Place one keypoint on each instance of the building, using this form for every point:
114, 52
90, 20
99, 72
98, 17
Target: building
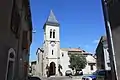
33, 68
51, 45
102, 54
111, 11
91, 64
16, 37
51, 57
64, 59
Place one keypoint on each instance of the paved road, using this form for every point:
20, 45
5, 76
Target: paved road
61, 78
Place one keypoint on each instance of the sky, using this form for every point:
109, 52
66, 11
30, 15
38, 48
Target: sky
81, 23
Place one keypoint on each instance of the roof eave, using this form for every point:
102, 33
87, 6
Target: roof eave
51, 24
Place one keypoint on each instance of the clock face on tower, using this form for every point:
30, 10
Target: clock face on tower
52, 44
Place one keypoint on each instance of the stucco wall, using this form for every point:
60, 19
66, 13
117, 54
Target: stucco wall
51, 53
107, 59
39, 64
90, 60
7, 39
55, 49
100, 56
47, 33
64, 61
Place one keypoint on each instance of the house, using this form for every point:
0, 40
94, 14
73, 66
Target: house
33, 68
102, 54
16, 37
91, 64
65, 57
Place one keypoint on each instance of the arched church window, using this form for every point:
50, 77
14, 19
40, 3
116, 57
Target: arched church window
10, 64
52, 52
62, 54
50, 33
53, 33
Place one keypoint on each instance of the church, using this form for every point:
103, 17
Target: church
55, 60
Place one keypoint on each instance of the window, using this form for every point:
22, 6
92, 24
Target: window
10, 64
62, 54
54, 34
108, 64
50, 33
38, 56
52, 52
91, 67
30, 69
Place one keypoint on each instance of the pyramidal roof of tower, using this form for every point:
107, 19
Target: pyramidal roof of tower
51, 20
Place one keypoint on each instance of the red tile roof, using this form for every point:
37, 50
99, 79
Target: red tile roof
71, 49
76, 50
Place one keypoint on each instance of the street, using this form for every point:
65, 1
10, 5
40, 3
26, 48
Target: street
62, 78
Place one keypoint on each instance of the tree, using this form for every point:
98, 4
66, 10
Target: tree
77, 62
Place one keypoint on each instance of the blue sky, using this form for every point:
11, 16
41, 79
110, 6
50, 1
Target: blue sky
81, 23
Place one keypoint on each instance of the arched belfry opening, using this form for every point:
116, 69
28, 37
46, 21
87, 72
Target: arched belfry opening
52, 69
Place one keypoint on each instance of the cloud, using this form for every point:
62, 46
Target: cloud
96, 41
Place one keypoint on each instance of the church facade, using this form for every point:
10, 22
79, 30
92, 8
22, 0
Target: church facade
51, 59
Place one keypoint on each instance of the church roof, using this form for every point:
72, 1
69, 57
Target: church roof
76, 50
104, 38
51, 20
72, 49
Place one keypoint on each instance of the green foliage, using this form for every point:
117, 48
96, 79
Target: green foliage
59, 66
77, 62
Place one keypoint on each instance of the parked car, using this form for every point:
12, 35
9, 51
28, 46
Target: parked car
68, 73
98, 75
33, 78
79, 73
88, 78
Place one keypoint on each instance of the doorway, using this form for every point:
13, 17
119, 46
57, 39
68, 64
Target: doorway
52, 69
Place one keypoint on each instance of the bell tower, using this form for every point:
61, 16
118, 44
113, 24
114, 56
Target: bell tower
52, 43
